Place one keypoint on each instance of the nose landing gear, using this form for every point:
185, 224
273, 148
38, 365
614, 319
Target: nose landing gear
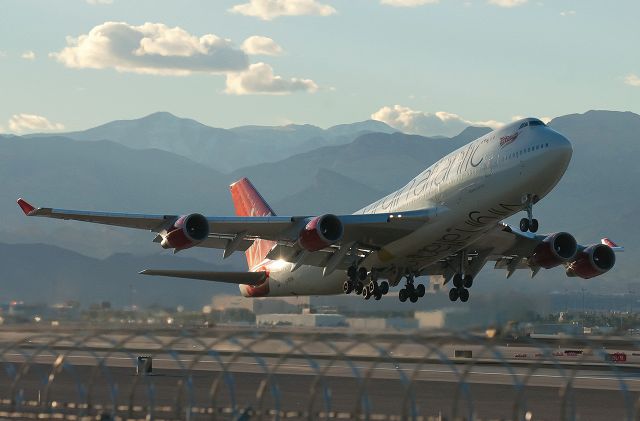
529, 223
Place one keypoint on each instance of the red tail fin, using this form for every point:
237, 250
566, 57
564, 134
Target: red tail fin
248, 202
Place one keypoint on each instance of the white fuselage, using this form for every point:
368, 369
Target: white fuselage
472, 188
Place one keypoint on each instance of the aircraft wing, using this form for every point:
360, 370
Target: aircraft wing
372, 230
247, 278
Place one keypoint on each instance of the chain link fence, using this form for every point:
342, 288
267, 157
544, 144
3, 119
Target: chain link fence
271, 375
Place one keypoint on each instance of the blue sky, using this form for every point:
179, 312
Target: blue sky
424, 68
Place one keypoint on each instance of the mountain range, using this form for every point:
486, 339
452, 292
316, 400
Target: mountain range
336, 170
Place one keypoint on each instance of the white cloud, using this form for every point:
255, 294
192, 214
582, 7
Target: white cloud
271, 9
408, 3
259, 79
94, 2
3, 54
568, 13
28, 55
20, 123
507, 3
632, 80
257, 45
429, 124
151, 48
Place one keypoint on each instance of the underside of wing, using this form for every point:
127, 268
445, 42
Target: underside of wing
246, 278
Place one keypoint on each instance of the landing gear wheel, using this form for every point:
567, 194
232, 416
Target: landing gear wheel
454, 294
413, 297
464, 295
524, 225
534, 225
359, 287
420, 290
457, 280
468, 281
352, 271
403, 295
362, 273
366, 294
371, 286
384, 287
347, 287
377, 295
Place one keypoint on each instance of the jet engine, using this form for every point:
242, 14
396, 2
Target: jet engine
186, 232
555, 250
593, 261
321, 232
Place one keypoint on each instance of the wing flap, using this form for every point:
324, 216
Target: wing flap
245, 278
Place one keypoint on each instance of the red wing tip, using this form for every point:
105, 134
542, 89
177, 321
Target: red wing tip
608, 242
26, 207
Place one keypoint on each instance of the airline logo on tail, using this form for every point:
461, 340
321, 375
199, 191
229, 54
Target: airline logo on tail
248, 202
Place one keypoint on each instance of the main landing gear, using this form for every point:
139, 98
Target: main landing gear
529, 223
410, 291
461, 285
357, 283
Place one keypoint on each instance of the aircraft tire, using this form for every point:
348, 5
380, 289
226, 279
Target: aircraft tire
371, 286
384, 287
352, 272
468, 281
414, 297
377, 295
524, 225
534, 225
403, 295
457, 280
366, 294
359, 287
464, 295
454, 294
362, 273
347, 287
420, 290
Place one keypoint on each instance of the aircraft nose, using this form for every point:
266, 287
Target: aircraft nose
560, 148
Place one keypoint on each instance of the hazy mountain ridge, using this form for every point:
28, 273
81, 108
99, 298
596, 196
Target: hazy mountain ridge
62, 275
222, 149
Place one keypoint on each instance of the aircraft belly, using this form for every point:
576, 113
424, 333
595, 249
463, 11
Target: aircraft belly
307, 280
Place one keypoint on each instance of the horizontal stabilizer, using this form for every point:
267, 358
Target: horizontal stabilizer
246, 278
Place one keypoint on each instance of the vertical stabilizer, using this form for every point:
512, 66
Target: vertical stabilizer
248, 202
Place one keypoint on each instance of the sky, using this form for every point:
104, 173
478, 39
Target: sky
423, 66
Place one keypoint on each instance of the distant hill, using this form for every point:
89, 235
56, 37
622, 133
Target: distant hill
62, 275
223, 149
103, 175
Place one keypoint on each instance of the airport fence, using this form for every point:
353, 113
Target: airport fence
224, 374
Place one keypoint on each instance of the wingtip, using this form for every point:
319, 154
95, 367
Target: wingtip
144, 272
26, 207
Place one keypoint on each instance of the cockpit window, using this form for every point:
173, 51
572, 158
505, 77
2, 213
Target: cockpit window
525, 124
536, 123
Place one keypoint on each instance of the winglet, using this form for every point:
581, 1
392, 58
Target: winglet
614, 246
26, 207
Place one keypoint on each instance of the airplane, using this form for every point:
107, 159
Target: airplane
446, 221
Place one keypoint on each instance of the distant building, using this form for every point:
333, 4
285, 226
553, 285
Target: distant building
301, 320
442, 319
380, 323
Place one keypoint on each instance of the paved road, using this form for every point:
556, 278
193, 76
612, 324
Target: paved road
489, 392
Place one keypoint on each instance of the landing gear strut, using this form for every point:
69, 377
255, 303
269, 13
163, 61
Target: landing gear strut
529, 223
410, 291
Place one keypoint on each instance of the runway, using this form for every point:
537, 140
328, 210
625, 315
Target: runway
243, 374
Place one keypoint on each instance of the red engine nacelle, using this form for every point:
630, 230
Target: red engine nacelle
592, 261
321, 232
555, 250
187, 231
